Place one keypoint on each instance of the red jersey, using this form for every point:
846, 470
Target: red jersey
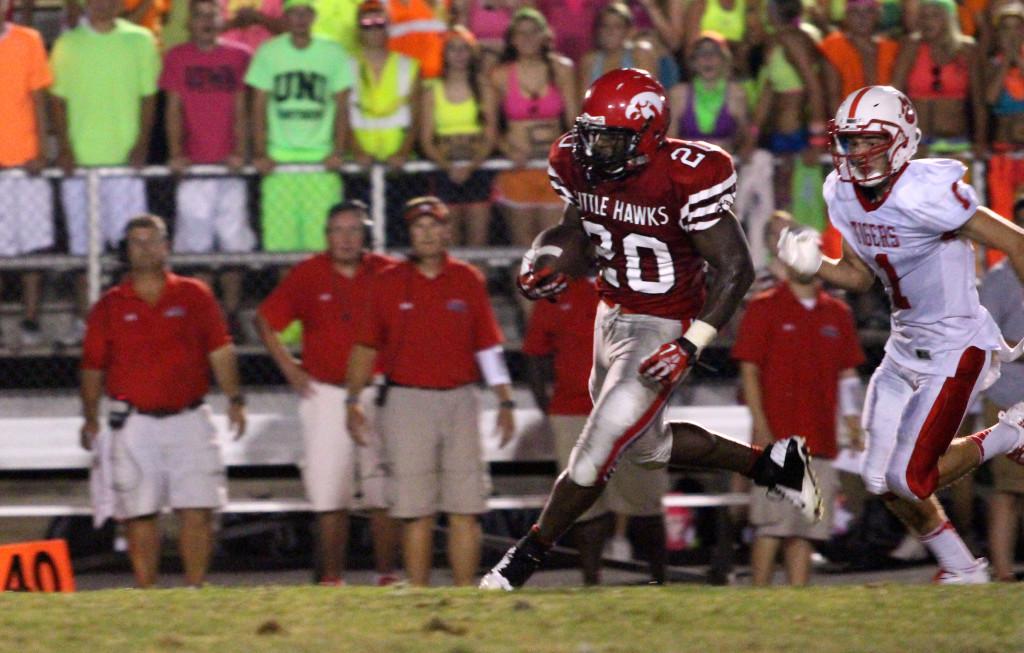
155, 357
429, 330
327, 303
565, 329
641, 225
799, 353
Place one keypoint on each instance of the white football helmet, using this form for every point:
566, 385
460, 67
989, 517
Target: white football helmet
879, 110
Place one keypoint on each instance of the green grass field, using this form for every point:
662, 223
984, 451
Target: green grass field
642, 619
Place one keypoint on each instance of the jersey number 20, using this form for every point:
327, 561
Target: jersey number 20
630, 247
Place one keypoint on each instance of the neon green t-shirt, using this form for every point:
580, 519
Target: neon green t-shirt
300, 87
103, 77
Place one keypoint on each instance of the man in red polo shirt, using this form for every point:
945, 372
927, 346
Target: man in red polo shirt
432, 322
324, 293
797, 348
150, 342
564, 330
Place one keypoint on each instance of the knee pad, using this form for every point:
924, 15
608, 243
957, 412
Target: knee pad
582, 470
874, 482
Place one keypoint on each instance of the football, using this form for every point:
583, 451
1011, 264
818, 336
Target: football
564, 248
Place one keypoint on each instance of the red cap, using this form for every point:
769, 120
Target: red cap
427, 205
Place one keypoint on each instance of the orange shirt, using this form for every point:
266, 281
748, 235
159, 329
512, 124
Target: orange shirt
155, 357
154, 18
846, 59
417, 30
328, 304
24, 71
429, 330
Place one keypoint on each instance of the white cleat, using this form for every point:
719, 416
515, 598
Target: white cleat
785, 470
975, 575
495, 582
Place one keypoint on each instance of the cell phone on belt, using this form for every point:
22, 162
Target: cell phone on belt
118, 411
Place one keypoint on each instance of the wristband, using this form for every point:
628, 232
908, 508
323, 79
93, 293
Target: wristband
352, 399
700, 334
508, 403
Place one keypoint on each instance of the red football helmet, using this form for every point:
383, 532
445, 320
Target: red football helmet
622, 122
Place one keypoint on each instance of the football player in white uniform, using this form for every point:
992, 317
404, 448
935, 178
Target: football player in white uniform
911, 224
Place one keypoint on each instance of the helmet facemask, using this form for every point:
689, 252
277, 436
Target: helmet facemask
607, 153
853, 167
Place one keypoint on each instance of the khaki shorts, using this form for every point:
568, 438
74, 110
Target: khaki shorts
337, 473
1007, 476
632, 490
773, 517
170, 461
432, 447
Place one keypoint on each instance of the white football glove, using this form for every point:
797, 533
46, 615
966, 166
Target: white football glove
800, 249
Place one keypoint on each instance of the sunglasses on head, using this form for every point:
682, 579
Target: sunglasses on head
373, 23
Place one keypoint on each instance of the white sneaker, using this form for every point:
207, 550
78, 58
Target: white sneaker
618, 548
976, 575
73, 336
1014, 417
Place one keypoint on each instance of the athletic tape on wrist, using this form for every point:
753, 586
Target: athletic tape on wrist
700, 334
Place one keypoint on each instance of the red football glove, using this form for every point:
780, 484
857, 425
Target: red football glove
669, 363
542, 284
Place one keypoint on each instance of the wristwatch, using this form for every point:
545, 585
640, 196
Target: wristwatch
508, 403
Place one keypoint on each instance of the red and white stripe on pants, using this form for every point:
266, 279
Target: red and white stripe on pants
911, 417
627, 412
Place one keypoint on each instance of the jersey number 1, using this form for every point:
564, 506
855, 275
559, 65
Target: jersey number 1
898, 300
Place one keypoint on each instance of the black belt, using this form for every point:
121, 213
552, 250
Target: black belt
160, 413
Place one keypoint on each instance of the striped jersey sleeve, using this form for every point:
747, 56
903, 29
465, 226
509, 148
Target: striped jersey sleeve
559, 164
712, 191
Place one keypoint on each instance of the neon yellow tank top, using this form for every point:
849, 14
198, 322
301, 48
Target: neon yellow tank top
454, 118
730, 23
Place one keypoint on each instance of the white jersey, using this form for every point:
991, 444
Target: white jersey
910, 241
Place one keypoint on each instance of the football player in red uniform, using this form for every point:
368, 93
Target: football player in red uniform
657, 209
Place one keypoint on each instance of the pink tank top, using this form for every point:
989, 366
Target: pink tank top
519, 107
488, 23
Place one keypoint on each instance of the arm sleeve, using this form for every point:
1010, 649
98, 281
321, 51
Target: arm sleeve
947, 201
752, 340
343, 79
96, 345
171, 77
559, 162
58, 65
710, 186
39, 75
211, 320
486, 331
853, 354
279, 308
149, 66
259, 74
371, 327
538, 340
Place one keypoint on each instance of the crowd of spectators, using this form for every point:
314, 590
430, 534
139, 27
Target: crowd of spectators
455, 82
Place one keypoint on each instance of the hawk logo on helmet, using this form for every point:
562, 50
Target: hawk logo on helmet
647, 105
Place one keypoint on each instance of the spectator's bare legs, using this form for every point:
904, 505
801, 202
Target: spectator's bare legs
796, 552
476, 224
384, 530
231, 290
332, 534
31, 292
143, 536
762, 560
418, 548
195, 543
1003, 520
463, 548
